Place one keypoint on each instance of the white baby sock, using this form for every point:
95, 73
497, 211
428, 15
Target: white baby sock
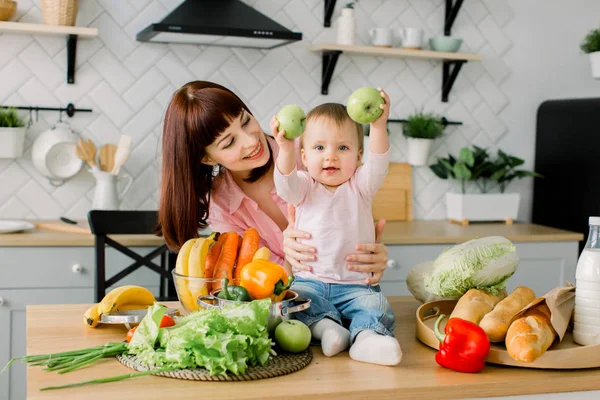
371, 347
334, 337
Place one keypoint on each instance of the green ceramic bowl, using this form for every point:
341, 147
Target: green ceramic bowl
445, 43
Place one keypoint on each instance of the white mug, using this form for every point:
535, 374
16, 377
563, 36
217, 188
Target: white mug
412, 38
381, 37
106, 195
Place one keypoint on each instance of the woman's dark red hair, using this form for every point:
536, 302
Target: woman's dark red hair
198, 112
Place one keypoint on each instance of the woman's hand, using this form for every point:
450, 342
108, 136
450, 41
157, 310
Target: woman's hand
375, 260
295, 252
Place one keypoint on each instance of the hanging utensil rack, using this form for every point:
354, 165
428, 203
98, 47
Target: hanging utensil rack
70, 109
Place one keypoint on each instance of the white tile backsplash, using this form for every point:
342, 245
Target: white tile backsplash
128, 84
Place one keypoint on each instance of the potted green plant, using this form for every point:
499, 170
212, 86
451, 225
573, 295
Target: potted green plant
591, 46
489, 178
420, 130
12, 133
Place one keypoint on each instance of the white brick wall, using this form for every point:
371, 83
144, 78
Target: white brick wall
128, 84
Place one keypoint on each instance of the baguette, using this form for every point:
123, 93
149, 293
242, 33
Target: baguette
474, 304
531, 335
496, 322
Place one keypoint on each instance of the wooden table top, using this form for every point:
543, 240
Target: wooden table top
54, 328
395, 233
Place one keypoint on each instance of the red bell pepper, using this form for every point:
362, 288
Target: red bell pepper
464, 346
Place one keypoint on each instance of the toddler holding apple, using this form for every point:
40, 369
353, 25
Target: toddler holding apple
333, 199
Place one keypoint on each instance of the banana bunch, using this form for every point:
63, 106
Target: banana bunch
190, 262
129, 297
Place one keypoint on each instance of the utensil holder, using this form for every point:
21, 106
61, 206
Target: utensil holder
60, 12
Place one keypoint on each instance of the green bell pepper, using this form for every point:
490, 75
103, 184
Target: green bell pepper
232, 292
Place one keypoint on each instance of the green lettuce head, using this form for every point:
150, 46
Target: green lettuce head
484, 263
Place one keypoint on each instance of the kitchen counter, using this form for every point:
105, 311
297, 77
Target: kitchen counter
54, 328
44, 237
440, 232
395, 233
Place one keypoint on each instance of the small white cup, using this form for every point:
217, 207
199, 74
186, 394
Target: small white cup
412, 38
381, 37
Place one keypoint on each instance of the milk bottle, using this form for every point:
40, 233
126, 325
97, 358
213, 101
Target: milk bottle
587, 292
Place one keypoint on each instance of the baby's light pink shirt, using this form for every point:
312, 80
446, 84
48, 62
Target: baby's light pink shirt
338, 220
231, 210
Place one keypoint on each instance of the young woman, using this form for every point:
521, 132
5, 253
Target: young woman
217, 171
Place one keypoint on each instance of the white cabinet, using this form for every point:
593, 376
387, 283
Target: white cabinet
12, 331
542, 266
50, 275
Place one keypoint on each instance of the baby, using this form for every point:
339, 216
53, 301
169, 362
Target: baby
333, 200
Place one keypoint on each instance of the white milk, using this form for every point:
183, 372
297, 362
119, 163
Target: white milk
587, 292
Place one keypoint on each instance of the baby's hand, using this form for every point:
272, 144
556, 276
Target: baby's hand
285, 144
381, 122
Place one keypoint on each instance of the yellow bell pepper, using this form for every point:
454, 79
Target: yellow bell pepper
264, 279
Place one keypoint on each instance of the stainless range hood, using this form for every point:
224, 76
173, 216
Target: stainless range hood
230, 23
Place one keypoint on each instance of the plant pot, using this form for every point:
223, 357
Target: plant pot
11, 142
482, 207
418, 151
595, 64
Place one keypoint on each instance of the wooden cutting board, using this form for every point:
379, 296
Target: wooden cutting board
393, 201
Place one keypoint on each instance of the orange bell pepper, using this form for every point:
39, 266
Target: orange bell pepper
264, 279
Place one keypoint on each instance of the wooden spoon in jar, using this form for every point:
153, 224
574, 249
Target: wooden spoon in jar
86, 151
107, 157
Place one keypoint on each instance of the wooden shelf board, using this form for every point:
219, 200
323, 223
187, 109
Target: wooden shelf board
42, 29
395, 52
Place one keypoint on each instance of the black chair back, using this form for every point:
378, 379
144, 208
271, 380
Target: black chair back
104, 223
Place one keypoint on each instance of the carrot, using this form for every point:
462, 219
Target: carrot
212, 257
249, 246
224, 266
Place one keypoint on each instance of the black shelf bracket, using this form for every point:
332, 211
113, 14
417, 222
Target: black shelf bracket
330, 59
71, 51
452, 7
329, 6
449, 75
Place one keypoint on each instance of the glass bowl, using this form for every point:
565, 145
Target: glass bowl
189, 288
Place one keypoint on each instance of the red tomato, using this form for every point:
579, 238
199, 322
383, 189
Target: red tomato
166, 321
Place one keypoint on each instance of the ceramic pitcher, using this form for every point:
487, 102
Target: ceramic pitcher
106, 195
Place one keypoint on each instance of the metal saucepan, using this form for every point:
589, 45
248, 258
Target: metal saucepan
278, 311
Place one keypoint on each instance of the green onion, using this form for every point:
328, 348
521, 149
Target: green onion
109, 379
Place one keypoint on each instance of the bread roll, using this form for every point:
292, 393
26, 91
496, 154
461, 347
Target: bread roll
496, 322
474, 304
529, 336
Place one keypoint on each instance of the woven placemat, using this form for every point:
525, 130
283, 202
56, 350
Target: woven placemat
282, 364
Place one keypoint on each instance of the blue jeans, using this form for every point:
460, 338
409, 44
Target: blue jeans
358, 307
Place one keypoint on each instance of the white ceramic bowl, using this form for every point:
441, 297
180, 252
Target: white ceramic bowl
53, 154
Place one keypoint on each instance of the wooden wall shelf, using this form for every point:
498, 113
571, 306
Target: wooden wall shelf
70, 32
452, 62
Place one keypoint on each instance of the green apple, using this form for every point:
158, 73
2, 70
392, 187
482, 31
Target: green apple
292, 336
292, 120
363, 105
